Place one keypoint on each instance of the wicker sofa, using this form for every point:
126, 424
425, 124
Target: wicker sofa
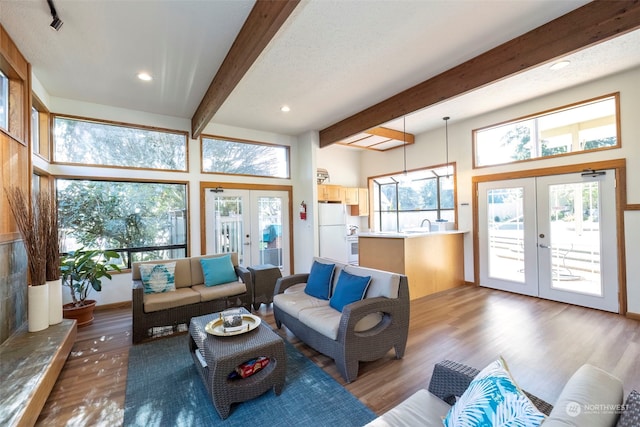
591, 398
191, 297
364, 330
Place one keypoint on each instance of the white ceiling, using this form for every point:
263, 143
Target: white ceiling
331, 59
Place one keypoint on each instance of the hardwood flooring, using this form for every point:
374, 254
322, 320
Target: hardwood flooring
544, 342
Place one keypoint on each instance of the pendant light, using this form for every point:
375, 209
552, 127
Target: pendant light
446, 139
404, 178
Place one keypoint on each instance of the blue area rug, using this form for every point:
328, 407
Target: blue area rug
164, 389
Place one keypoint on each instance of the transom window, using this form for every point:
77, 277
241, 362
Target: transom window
590, 125
237, 157
405, 202
87, 142
141, 220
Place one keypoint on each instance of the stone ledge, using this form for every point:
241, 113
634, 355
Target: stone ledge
30, 363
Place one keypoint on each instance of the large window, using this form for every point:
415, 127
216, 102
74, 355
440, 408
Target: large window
106, 144
4, 101
141, 220
589, 125
237, 157
412, 201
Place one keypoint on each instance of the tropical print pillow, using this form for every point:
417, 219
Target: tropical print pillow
158, 277
493, 399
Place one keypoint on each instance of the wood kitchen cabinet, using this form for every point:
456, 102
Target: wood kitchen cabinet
351, 196
330, 193
362, 207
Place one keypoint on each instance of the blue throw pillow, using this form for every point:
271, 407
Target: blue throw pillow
158, 278
218, 270
350, 288
319, 281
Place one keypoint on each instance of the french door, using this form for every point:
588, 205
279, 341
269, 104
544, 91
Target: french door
253, 223
552, 237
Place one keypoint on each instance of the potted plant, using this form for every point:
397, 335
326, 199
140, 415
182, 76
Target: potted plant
82, 271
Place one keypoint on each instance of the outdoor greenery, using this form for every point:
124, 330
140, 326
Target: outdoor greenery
120, 215
102, 144
244, 158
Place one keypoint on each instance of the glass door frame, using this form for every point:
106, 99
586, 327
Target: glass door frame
207, 186
618, 165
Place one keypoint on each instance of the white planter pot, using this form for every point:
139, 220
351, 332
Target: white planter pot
55, 301
38, 308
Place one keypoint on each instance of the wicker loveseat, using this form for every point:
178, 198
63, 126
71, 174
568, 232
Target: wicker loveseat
190, 298
364, 330
591, 398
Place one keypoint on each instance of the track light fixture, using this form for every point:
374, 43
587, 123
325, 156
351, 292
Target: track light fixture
56, 24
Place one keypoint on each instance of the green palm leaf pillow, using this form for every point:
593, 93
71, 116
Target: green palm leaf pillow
493, 399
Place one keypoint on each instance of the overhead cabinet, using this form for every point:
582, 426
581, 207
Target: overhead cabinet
351, 196
330, 193
362, 207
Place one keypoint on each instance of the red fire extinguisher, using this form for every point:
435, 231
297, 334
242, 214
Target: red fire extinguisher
303, 211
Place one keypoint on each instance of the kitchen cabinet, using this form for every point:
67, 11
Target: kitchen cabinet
362, 207
351, 196
330, 193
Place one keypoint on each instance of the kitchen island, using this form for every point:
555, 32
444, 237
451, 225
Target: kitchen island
432, 261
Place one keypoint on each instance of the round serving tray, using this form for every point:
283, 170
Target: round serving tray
249, 323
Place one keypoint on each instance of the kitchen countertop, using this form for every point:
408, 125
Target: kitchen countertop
408, 235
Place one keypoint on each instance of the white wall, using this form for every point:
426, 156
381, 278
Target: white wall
429, 150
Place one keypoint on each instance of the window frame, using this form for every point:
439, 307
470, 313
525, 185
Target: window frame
248, 142
614, 96
129, 251
377, 213
4, 87
123, 125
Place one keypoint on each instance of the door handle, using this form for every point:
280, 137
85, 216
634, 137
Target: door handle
544, 246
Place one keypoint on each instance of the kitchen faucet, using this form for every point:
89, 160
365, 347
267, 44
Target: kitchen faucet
422, 223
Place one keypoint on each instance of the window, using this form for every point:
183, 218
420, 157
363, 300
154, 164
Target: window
141, 220
237, 157
4, 101
405, 202
35, 130
589, 125
106, 144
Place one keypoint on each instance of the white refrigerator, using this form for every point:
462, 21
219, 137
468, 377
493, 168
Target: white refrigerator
332, 231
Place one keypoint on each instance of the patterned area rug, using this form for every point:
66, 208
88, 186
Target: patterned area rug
164, 389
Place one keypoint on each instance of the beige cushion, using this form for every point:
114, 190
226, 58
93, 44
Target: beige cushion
383, 283
196, 268
420, 409
590, 398
164, 300
182, 272
208, 293
293, 302
326, 320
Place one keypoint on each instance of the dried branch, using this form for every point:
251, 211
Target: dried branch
49, 213
31, 227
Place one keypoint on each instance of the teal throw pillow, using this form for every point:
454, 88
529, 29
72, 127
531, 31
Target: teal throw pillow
158, 278
218, 270
494, 399
350, 288
319, 281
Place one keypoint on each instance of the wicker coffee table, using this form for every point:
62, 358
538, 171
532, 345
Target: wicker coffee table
222, 354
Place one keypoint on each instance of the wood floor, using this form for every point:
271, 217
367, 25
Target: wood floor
544, 342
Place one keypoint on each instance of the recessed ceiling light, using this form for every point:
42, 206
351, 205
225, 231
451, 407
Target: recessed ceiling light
145, 76
559, 65
285, 109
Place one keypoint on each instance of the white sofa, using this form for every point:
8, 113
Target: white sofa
597, 394
364, 330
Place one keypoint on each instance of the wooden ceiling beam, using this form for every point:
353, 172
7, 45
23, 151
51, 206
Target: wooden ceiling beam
263, 22
586, 26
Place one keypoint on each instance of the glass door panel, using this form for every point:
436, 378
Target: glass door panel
225, 222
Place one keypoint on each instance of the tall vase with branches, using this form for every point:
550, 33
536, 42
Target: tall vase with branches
30, 221
49, 214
